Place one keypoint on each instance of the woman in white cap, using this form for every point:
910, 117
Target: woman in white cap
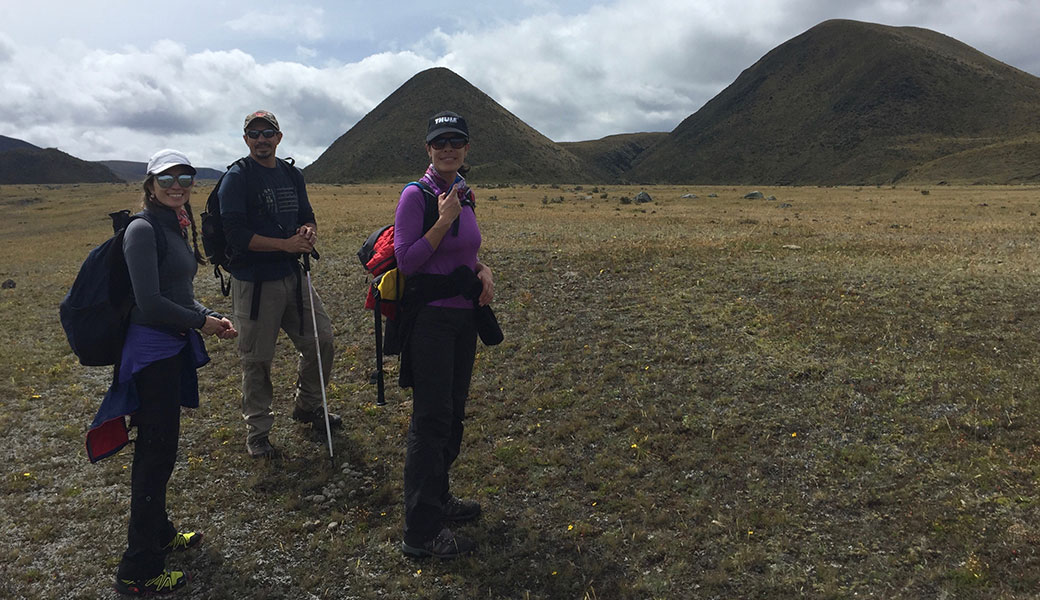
156, 375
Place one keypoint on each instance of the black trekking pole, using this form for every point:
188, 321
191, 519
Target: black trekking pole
317, 349
380, 393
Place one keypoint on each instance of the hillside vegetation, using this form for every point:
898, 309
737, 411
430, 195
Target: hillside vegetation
8, 143
844, 103
849, 102
50, 165
610, 158
389, 143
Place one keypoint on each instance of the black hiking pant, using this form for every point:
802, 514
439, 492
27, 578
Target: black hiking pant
442, 348
155, 453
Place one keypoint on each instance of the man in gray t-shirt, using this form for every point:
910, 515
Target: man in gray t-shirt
269, 223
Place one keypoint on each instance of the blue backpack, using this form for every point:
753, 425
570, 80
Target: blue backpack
95, 313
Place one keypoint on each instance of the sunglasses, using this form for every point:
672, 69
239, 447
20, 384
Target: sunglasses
166, 181
457, 143
255, 133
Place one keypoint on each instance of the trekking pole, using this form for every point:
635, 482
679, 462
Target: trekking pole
317, 349
380, 393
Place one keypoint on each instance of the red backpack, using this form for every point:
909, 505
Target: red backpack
387, 284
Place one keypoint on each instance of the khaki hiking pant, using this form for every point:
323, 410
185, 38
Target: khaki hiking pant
278, 309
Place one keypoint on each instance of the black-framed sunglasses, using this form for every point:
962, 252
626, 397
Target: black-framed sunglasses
256, 133
457, 143
166, 181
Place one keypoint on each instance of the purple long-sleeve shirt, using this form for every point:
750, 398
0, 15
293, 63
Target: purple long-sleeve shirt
416, 255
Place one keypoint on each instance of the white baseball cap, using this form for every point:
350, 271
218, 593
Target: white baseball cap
166, 158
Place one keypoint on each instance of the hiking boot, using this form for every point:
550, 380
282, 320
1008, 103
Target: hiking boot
261, 448
444, 546
457, 510
316, 418
163, 583
183, 541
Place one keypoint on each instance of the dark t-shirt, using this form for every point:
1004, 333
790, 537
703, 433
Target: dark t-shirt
262, 201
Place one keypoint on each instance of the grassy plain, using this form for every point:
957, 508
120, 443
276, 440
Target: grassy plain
829, 394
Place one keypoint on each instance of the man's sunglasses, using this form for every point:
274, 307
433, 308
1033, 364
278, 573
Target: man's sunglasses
166, 181
457, 143
255, 133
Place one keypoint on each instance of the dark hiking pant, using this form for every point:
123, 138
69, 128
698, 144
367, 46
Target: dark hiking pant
443, 345
155, 452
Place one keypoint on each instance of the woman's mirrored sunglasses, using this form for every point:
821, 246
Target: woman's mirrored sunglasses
166, 181
256, 133
457, 143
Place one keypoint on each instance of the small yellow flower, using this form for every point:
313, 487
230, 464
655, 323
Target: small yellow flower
554, 573
570, 527
794, 434
635, 445
27, 474
36, 396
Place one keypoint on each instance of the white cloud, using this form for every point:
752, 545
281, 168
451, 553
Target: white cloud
573, 70
282, 20
7, 48
632, 66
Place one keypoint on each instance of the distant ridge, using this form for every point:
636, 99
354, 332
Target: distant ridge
35, 165
609, 159
9, 143
849, 103
388, 143
134, 171
844, 103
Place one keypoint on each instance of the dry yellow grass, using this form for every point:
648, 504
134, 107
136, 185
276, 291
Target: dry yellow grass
826, 394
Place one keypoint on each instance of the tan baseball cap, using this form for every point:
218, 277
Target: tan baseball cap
261, 114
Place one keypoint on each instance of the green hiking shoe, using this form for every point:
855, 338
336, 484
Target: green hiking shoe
163, 583
184, 541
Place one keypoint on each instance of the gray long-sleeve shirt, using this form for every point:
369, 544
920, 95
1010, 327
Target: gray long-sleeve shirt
164, 294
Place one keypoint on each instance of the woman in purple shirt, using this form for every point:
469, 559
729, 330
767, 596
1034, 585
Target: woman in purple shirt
441, 343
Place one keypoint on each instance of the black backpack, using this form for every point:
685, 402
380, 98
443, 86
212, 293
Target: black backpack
214, 244
376, 255
96, 312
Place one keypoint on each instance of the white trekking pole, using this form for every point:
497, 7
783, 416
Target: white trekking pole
317, 349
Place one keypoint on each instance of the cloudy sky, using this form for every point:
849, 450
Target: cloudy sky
118, 79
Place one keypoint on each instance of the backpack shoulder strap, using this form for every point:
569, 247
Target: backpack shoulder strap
294, 172
160, 236
432, 211
213, 201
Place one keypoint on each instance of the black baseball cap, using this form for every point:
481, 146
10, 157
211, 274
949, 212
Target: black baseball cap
446, 122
